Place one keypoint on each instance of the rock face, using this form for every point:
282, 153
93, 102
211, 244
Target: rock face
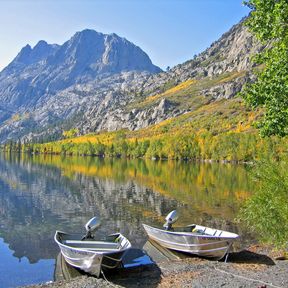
230, 55
232, 52
47, 69
95, 82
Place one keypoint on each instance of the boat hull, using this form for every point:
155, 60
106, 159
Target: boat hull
89, 261
210, 246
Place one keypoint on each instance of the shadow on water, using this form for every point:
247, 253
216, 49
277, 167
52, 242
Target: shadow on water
137, 266
160, 254
138, 269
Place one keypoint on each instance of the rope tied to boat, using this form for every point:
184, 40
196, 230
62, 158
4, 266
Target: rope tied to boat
108, 282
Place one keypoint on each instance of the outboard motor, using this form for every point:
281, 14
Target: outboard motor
170, 219
90, 227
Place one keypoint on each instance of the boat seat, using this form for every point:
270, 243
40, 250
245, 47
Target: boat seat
190, 228
185, 229
92, 245
102, 249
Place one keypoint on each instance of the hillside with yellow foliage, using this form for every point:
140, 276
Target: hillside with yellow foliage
209, 129
220, 130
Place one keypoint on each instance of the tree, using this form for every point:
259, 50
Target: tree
71, 133
269, 22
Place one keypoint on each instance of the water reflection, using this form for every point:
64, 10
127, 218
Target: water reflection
40, 194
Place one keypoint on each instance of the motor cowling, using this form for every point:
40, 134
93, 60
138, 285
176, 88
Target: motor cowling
91, 226
171, 218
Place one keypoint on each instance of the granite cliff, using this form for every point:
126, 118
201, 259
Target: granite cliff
97, 82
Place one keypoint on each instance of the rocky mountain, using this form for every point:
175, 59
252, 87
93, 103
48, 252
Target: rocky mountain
47, 69
103, 82
218, 72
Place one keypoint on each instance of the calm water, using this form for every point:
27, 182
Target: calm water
40, 194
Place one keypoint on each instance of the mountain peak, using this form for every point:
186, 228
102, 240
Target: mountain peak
41, 44
29, 55
23, 54
94, 53
42, 50
87, 55
86, 35
88, 32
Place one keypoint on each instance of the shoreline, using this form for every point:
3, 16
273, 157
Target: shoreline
257, 266
195, 160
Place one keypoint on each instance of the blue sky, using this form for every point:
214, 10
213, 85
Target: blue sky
169, 31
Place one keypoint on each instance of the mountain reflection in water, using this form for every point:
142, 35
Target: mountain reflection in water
42, 193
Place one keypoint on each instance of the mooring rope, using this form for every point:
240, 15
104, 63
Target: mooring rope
249, 279
110, 283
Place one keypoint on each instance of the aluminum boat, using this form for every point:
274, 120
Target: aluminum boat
194, 239
89, 254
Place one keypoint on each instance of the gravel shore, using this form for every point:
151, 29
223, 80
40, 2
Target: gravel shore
255, 267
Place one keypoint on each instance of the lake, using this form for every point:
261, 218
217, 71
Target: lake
42, 193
